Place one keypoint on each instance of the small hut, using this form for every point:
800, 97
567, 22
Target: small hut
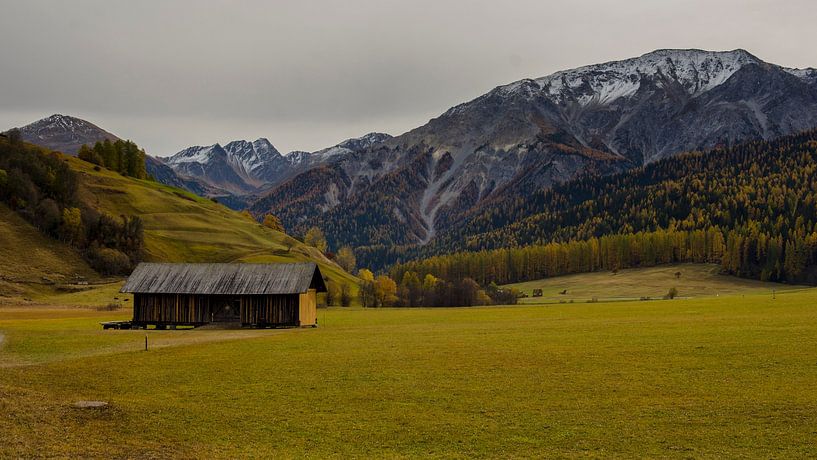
252, 295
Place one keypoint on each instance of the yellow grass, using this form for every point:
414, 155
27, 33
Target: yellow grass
695, 280
721, 377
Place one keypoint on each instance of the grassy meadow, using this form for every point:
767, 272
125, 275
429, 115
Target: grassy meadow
727, 376
695, 280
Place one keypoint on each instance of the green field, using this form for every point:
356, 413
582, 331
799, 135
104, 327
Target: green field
708, 377
695, 280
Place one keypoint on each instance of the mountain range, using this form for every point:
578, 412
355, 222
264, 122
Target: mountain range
500, 148
243, 167
534, 133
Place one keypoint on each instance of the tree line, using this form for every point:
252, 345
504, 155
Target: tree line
124, 157
752, 254
40, 186
414, 290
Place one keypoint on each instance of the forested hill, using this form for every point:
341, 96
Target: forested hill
759, 196
99, 213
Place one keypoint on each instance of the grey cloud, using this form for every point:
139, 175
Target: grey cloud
307, 74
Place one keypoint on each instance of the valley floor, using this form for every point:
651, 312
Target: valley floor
712, 377
690, 280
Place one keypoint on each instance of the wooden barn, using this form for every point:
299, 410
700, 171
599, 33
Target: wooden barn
252, 295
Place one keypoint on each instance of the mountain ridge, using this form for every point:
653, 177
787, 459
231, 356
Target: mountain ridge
534, 133
247, 167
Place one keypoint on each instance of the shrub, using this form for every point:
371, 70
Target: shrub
109, 261
112, 306
671, 294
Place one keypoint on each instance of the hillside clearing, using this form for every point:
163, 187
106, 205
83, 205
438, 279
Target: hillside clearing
715, 377
695, 280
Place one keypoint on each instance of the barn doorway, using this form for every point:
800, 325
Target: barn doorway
228, 310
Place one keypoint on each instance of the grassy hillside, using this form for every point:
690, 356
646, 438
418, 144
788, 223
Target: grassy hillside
696, 280
30, 261
179, 227
704, 378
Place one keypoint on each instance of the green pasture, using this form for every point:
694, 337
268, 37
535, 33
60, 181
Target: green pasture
728, 376
691, 281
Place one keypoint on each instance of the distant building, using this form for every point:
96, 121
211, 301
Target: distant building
252, 295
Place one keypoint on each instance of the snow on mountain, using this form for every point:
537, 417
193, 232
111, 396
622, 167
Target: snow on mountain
249, 156
64, 133
697, 71
195, 154
533, 133
349, 146
258, 165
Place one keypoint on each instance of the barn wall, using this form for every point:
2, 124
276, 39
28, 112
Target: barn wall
270, 310
187, 309
171, 308
308, 309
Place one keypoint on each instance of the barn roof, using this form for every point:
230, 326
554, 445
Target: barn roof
224, 279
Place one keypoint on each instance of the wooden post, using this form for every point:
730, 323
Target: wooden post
146, 342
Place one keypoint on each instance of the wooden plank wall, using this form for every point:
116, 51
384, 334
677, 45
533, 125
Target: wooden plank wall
270, 310
172, 308
257, 310
308, 308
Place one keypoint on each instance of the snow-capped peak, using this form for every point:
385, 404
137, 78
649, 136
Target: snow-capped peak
250, 156
697, 71
352, 145
195, 154
63, 122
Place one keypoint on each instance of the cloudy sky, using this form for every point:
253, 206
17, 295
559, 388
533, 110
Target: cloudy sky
307, 74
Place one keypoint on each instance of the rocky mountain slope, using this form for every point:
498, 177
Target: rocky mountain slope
534, 133
244, 168
64, 133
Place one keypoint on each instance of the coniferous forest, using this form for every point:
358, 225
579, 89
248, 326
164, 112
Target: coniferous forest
751, 208
124, 157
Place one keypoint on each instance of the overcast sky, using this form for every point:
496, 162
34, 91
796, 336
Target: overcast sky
308, 74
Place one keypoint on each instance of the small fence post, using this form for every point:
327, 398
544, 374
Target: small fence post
146, 342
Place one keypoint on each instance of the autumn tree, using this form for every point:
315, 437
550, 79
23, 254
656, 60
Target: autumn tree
385, 291
429, 289
345, 295
314, 237
366, 293
273, 222
71, 226
346, 259
333, 294
410, 290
